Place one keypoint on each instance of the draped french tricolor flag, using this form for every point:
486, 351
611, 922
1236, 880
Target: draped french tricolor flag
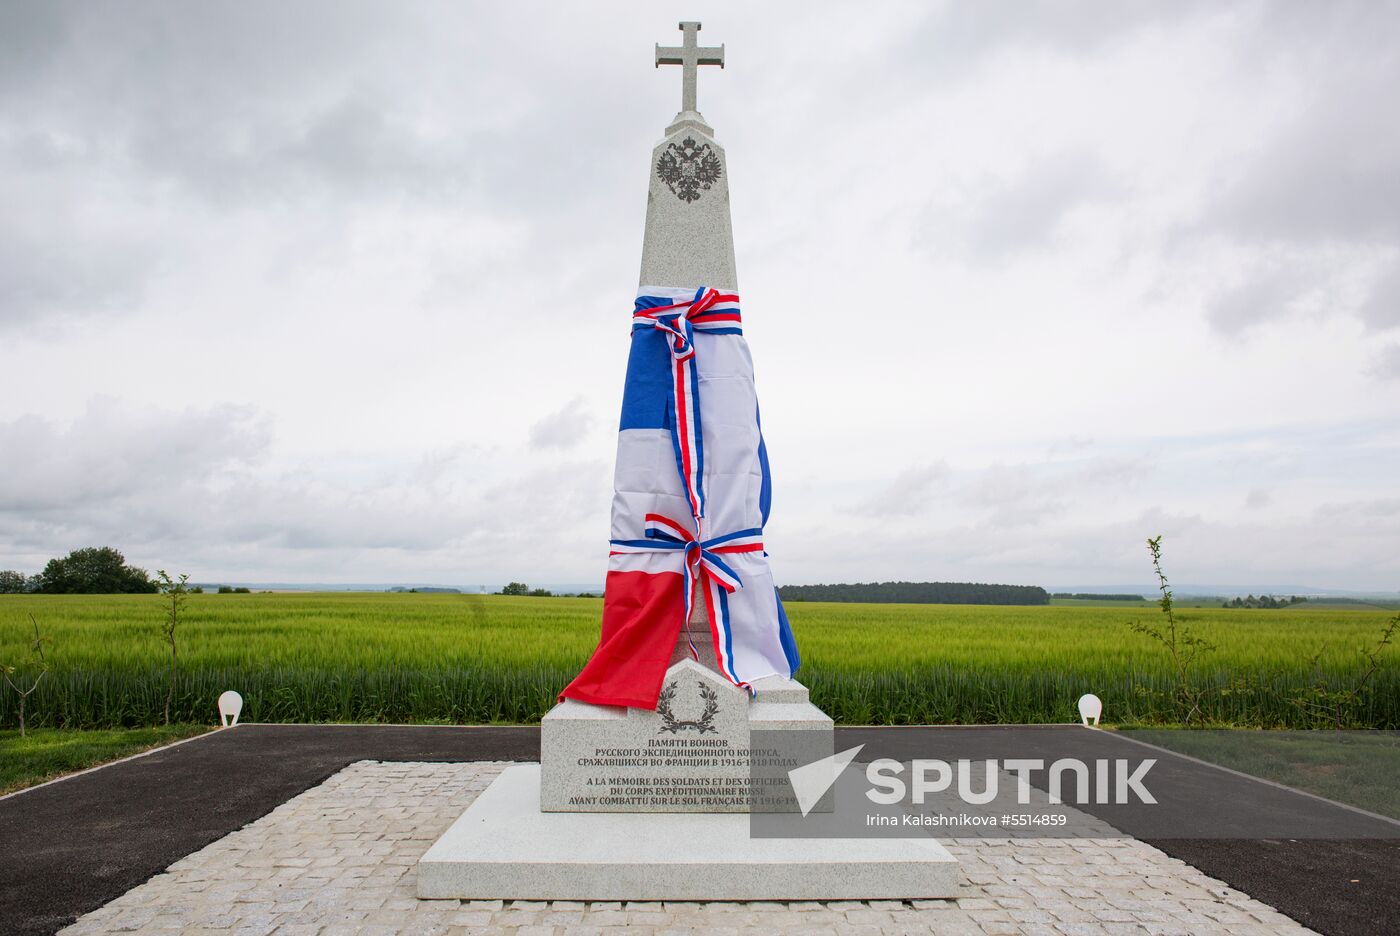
692, 494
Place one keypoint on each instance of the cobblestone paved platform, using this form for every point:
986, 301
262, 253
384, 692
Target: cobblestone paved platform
339, 860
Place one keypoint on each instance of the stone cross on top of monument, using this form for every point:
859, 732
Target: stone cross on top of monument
689, 55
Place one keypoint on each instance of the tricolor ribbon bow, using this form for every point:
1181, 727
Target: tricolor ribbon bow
700, 561
709, 310
679, 320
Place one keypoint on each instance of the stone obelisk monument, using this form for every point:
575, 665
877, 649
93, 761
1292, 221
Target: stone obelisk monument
635, 803
688, 245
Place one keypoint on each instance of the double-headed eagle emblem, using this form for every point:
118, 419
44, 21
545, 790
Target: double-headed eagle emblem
688, 168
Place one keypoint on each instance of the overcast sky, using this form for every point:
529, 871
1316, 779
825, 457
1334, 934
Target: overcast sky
340, 292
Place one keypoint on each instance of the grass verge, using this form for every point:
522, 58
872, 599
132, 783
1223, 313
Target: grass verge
1353, 767
46, 753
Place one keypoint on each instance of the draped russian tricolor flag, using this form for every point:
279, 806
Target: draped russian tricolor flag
692, 495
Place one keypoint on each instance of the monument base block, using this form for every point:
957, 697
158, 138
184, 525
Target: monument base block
690, 755
504, 848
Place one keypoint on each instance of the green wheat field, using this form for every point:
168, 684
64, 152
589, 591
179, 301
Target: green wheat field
426, 658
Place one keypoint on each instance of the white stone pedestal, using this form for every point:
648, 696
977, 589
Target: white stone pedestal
632, 804
503, 847
692, 755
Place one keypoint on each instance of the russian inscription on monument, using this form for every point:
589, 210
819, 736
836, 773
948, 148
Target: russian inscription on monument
690, 754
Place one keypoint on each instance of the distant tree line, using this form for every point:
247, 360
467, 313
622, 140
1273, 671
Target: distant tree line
95, 570
1088, 596
520, 588
1263, 601
919, 593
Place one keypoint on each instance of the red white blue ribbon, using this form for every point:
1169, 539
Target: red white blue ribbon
710, 310
701, 562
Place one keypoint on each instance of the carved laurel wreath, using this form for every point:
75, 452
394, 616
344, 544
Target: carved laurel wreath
705, 724
688, 168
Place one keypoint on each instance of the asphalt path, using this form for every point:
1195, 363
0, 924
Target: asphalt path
74, 845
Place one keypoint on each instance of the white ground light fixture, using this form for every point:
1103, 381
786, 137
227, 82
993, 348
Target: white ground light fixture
230, 704
1090, 706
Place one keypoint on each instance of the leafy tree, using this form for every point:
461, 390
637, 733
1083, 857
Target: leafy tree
175, 590
96, 570
516, 588
541, 593
12, 582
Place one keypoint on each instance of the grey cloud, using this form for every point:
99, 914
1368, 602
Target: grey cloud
359, 141
563, 495
353, 145
496, 523
1025, 212
289, 514
947, 40
1023, 495
909, 493
327, 101
398, 511
1330, 175
180, 489
231, 109
983, 551
1329, 170
1387, 363
564, 428
49, 276
1261, 297
1013, 495
179, 124
115, 451
29, 34
1381, 310
1359, 510
1326, 179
